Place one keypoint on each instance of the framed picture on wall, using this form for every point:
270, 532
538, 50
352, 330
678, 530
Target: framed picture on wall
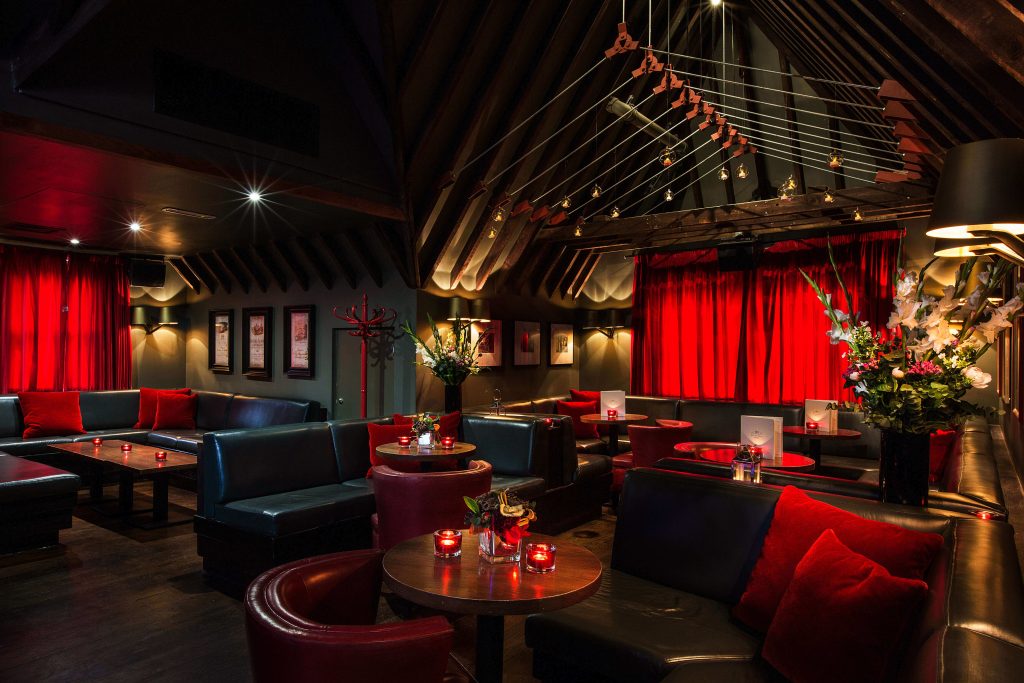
257, 345
300, 341
221, 341
561, 344
490, 344
526, 343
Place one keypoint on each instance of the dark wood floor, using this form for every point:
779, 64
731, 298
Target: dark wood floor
123, 604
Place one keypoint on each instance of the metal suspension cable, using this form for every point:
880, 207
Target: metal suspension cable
772, 71
557, 132
810, 125
846, 163
793, 146
682, 189
761, 150
584, 144
529, 118
663, 186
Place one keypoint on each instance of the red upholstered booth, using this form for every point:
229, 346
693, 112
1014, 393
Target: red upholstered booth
415, 503
313, 620
649, 444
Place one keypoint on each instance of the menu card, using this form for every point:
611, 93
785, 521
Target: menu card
766, 432
613, 400
825, 413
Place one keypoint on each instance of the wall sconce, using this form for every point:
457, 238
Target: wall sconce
152, 318
476, 311
606, 321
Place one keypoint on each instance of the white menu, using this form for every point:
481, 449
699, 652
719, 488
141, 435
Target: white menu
613, 400
825, 413
766, 432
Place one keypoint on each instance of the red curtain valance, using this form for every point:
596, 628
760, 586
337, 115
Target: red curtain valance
64, 321
756, 335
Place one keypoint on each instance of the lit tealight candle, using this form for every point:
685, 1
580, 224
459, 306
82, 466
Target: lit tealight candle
613, 414
540, 557
448, 442
812, 426
161, 455
447, 543
404, 441
97, 441
983, 514
126, 447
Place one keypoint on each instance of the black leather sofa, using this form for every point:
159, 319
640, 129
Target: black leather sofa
269, 496
684, 548
36, 502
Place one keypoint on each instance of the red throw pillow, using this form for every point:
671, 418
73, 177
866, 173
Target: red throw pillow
575, 409
450, 424
942, 445
797, 523
175, 411
50, 413
147, 405
382, 434
400, 419
842, 619
583, 396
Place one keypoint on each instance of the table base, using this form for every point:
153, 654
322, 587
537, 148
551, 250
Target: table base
490, 648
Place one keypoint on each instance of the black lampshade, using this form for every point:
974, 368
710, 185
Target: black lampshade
480, 311
980, 188
458, 308
964, 248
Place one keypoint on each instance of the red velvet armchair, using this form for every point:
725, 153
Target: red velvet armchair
313, 620
415, 503
649, 444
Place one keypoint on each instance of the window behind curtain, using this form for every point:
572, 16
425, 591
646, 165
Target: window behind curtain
756, 335
64, 321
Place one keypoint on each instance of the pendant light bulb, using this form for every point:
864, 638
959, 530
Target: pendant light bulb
857, 215
835, 159
668, 195
498, 215
578, 232
614, 212
566, 202
595, 191
492, 234
790, 183
723, 173
742, 172
828, 197
667, 157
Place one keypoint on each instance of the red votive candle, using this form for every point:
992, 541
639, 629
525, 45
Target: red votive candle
757, 450
448, 442
126, 447
161, 455
97, 441
983, 514
612, 414
812, 426
404, 441
447, 543
540, 557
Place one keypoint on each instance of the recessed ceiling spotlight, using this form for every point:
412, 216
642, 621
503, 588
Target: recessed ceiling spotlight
135, 226
254, 196
716, 3
75, 241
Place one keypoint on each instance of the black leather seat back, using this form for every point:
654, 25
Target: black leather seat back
511, 444
720, 420
10, 417
653, 407
518, 407
252, 411
351, 442
109, 409
548, 406
212, 409
868, 446
240, 464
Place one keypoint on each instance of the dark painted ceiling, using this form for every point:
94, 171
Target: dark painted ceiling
411, 97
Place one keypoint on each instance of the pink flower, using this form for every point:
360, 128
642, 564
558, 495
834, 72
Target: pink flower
924, 368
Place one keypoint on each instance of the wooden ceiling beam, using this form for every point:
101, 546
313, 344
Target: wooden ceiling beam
186, 274
315, 258
214, 268
358, 246
330, 246
992, 26
510, 232
265, 258
794, 134
229, 266
760, 165
204, 275
586, 275
285, 255
414, 55
396, 241
246, 265
570, 260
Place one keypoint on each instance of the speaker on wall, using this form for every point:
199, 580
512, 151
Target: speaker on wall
738, 256
146, 271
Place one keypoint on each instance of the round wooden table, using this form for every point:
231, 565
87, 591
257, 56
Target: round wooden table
460, 452
673, 423
467, 585
815, 438
723, 453
613, 426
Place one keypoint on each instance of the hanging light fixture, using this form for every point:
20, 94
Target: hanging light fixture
835, 159
723, 173
790, 183
614, 213
595, 191
979, 190
498, 215
828, 197
492, 234
578, 232
742, 172
566, 202
857, 215
667, 157
668, 195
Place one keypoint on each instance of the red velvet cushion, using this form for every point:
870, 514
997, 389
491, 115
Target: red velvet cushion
797, 523
581, 396
450, 424
50, 413
574, 409
382, 434
943, 444
400, 419
147, 405
175, 411
842, 617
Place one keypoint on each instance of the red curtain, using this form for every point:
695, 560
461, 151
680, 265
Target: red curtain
756, 335
64, 321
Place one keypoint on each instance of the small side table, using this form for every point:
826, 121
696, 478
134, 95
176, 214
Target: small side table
815, 438
613, 426
426, 457
723, 453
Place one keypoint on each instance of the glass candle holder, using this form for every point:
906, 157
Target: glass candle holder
540, 557
126, 447
448, 442
161, 455
97, 441
613, 414
812, 426
404, 441
447, 543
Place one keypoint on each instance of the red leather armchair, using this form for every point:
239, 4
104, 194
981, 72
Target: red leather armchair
415, 503
313, 620
649, 444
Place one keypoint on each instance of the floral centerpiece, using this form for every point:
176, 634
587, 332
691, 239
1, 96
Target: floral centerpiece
453, 358
426, 426
911, 378
500, 519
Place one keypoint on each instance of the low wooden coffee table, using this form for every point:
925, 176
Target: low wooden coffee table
460, 452
139, 461
466, 585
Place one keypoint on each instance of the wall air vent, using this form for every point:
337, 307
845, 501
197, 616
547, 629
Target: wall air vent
213, 98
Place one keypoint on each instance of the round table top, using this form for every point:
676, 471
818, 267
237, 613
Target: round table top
413, 453
601, 418
788, 461
673, 423
839, 434
467, 585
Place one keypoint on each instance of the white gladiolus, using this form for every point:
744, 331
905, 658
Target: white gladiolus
854, 376
907, 286
897, 373
978, 377
904, 313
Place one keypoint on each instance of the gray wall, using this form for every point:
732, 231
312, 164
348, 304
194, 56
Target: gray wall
158, 358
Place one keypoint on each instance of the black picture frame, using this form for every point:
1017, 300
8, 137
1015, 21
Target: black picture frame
250, 365
292, 370
224, 317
